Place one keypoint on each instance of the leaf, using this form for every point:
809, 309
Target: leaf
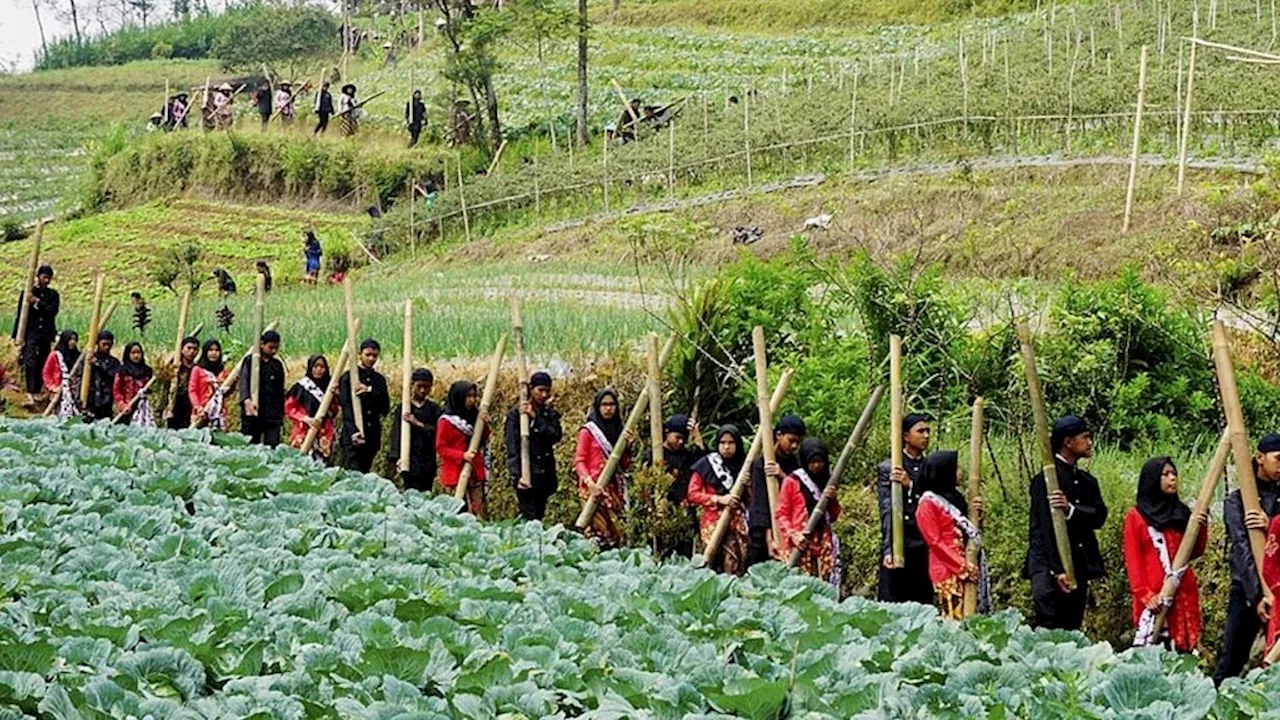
751, 697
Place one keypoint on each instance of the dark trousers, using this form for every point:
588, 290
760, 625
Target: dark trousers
1054, 609
266, 118
1241, 631
757, 545
322, 125
261, 433
533, 502
360, 458
420, 482
907, 584
414, 132
34, 355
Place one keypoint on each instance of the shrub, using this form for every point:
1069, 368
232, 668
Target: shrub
161, 51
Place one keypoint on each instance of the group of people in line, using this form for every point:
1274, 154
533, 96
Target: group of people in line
937, 527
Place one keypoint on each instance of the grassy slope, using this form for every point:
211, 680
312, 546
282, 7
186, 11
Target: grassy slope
776, 16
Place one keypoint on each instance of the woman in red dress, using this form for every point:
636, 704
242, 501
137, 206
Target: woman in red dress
302, 405
206, 378
596, 440
1153, 531
710, 480
133, 376
942, 514
453, 439
797, 498
59, 382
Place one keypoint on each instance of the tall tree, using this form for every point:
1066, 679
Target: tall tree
582, 73
470, 62
542, 21
44, 45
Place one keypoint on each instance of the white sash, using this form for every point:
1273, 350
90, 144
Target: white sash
66, 399
971, 534
143, 416
463, 426
836, 570
722, 473
310, 386
606, 447
1146, 634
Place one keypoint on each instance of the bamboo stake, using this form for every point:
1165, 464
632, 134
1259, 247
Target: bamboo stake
133, 404
766, 427
619, 448
493, 165
975, 491
896, 498
522, 366
413, 236
477, 435
744, 475
95, 326
746, 132
24, 312
853, 115
654, 388
1137, 138
406, 388
671, 159
1186, 119
326, 401
605, 160
79, 363
462, 200
1245, 479
259, 307
846, 455
1050, 464
353, 369
184, 308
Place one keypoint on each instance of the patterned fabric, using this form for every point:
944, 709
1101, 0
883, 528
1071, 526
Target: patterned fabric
950, 599
824, 552
606, 447
971, 534
733, 550
66, 398
463, 426
143, 416
1146, 634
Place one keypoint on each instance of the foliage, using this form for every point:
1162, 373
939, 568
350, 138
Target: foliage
176, 269
286, 35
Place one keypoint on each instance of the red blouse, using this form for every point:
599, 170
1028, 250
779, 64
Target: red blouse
1146, 579
52, 373
793, 514
124, 389
451, 446
945, 541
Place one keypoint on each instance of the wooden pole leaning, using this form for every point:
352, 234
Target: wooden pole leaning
653, 386
184, 309
406, 388
1243, 457
1046, 451
95, 327
846, 455
1137, 139
78, 367
486, 399
259, 308
522, 366
353, 368
1186, 118
33, 264
326, 400
739, 488
897, 499
619, 448
977, 424
766, 427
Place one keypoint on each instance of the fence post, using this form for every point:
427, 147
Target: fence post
1186, 118
537, 190
746, 131
1137, 137
671, 159
853, 114
606, 175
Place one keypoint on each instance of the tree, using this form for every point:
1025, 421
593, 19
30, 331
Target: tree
582, 73
469, 62
542, 21
290, 36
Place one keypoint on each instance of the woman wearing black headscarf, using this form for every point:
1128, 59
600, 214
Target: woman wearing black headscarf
1153, 531
302, 405
797, 499
62, 384
131, 379
454, 430
710, 480
207, 408
942, 516
596, 440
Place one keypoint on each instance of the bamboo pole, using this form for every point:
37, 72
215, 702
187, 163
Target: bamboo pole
896, 496
744, 475
462, 200
846, 455
671, 159
1186, 119
79, 363
326, 400
255, 369
766, 427
413, 236
95, 326
1137, 138
493, 164
975, 491
133, 404
24, 312
853, 115
605, 160
1245, 479
406, 388
522, 366
353, 369
619, 448
746, 132
477, 435
654, 388
184, 308
1050, 465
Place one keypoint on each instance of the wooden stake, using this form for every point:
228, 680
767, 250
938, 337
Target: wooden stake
259, 306
1186, 119
605, 160
33, 264
766, 427
1047, 454
671, 159
353, 369
853, 115
654, 388
522, 366
746, 131
406, 388
896, 498
477, 435
493, 165
1137, 139
462, 200
413, 236
846, 455
976, 427
326, 400
95, 327
1245, 479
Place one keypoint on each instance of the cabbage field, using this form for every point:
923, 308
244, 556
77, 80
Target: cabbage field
154, 575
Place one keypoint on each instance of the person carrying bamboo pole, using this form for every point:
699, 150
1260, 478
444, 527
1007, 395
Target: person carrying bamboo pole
102, 378
58, 375
911, 582
324, 109
942, 516
178, 414
40, 332
596, 440
302, 407
798, 496
1248, 607
132, 380
1153, 532
1056, 603
207, 406
360, 449
545, 432
262, 98
263, 420
677, 460
284, 104
454, 430
422, 416
710, 480
788, 433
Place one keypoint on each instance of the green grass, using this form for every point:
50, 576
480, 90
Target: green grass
772, 17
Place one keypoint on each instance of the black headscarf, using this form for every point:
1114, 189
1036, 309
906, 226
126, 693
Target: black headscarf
733, 464
323, 382
69, 356
136, 370
612, 429
810, 448
455, 403
1161, 511
213, 367
938, 476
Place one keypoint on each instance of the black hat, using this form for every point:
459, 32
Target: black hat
348, 86
106, 335
678, 423
540, 379
370, 344
45, 271
1269, 443
423, 375
270, 336
790, 424
1066, 428
911, 420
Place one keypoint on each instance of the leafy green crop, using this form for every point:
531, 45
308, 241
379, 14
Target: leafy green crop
155, 575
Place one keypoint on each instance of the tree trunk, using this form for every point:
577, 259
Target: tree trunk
75, 21
491, 103
582, 73
44, 46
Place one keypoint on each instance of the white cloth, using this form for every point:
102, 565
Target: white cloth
722, 473
66, 398
836, 571
312, 388
972, 535
606, 447
463, 426
143, 415
1146, 634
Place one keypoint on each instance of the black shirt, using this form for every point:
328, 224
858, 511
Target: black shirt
1089, 514
374, 405
325, 106
270, 389
1244, 571
544, 433
263, 98
911, 537
758, 514
415, 113
422, 443
42, 318
101, 386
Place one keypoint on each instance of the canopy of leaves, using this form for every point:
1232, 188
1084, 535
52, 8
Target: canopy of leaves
282, 35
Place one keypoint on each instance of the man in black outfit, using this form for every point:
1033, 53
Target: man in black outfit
1056, 604
544, 433
361, 449
263, 98
415, 117
41, 331
422, 417
324, 108
262, 422
1248, 608
788, 433
911, 582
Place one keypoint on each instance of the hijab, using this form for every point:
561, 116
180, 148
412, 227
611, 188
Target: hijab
455, 403
732, 464
213, 367
612, 429
300, 393
136, 370
938, 476
1161, 511
69, 356
810, 448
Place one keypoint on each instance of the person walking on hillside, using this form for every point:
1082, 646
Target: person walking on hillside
224, 107
1056, 604
545, 432
798, 496
596, 441
102, 379
284, 104
302, 407
454, 431
788, 433
42, 323
178, 109
422, 416
1153, 532
942, 514
264, 270
710, 480
677, 459
1249, 606
911, 582
262, 421
207, 404
263, 98
178, 414
324, 108
311, 252
415, 117
349, 111
57, 375
361, 449
131, 381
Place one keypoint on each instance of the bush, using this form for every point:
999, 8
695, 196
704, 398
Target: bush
161, 51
